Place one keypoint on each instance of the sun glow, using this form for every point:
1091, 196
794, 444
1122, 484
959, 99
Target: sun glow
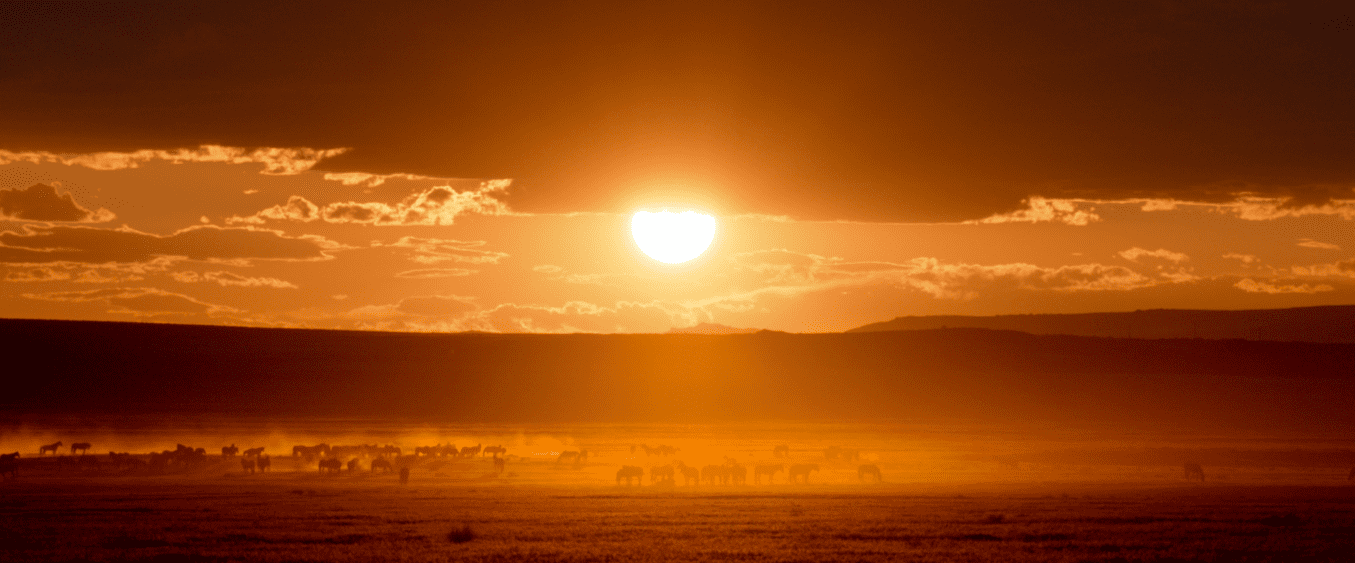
671, 237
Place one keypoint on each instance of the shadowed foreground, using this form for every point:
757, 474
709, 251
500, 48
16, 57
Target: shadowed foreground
291, 519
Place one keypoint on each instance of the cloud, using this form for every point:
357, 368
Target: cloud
431, 273
228, 279
436, 251
371, 180
1310, 243
137, 301
1245, 258
41, 202
1252, 286
1042, 210
1135, 253
439, 205
1344, 268
1269, 208
36, 245
276, 161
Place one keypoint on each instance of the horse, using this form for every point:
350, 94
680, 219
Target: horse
331, 465
690, 475
383, 463
738, 474
389, 450
352, 465
714, 473
264, 462
256, 452
781, 451
496, 450
49, 448
247, 465
768, 470
470, 452
801, 470
868, 470
9, 465
230, 451
498, 464
667, 450
629, 472
82, 446
1193, 470
663, 473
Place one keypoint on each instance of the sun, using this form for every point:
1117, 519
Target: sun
673, 238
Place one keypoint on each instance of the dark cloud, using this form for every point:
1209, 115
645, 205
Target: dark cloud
864, 110
41, 202
206, 242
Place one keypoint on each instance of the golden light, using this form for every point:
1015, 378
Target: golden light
673, 238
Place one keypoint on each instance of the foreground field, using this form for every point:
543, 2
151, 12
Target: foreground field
303, 517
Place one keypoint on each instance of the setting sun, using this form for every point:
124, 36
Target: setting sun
671, 237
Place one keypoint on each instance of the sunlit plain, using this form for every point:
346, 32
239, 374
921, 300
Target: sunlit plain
673, 238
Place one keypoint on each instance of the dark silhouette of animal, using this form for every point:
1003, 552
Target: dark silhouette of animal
738, 474
493, 450
659, 450
498, 464
256, 452
450, 450
781, 451
382, 463
768, 470
310, 452
690, 475
49, 448
869, 471
429, 451
247, 465
715, 474
629, 472
230, 451
568, 455
1193, 471
9, 466
470, 452
662, 473
352, 465
404, 475
796, 472
264, 462
390, 450
331, 465
83, 447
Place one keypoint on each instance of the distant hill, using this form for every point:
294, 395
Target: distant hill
711, 328
1304, 324
1004, 377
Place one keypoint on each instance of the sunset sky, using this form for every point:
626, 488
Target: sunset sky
475, 167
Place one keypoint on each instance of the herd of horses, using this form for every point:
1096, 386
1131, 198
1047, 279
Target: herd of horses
730, 473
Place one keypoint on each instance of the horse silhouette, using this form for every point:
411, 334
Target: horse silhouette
384, 464
494, 450
1193, 470
331, 465
311, 452
82, 446
690, 475
801, 470
247, 465
9, 466
264, 462
256, 452
768, 470
390, 450
715, 474
781, 451
629, 472
231, 450
470, 452
568, 455
49, 448
738, 474
498, 464
868, 470
664, 473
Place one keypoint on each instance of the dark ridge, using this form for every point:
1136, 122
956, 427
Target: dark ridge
972, 374
1335, 323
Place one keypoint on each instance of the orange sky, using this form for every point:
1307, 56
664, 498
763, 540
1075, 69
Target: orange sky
473, 166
